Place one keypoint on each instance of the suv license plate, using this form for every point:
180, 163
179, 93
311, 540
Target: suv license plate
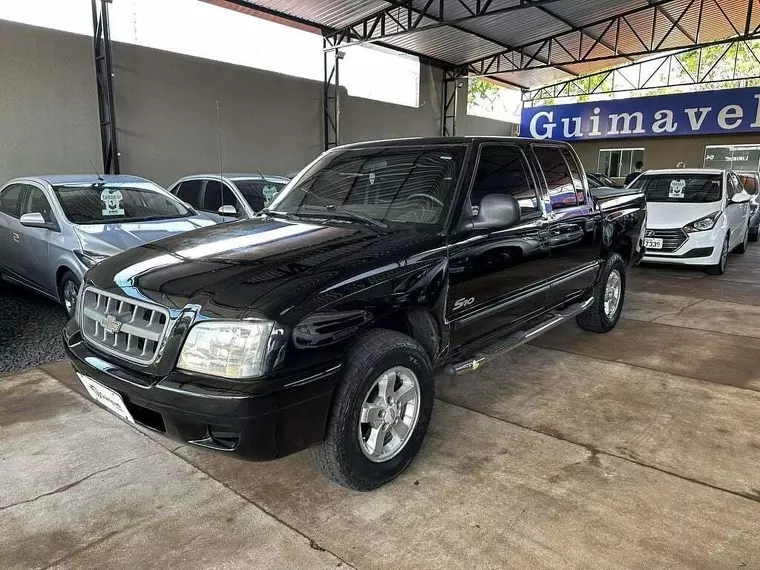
653, 243
106, 397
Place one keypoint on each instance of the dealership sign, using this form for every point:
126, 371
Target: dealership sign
701, 113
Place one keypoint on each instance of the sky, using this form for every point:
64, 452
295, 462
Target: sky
199, 29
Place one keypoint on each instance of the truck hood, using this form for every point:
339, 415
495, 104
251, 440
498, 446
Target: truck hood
667, 215
263, 267
110, 239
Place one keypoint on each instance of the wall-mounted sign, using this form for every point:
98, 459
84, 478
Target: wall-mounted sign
704, 112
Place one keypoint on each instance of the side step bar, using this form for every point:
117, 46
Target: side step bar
516, 339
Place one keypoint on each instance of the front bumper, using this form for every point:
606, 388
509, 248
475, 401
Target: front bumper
700, 248
225, 416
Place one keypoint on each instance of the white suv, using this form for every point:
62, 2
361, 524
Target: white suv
694, 216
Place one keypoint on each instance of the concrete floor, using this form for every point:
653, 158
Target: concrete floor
637, 449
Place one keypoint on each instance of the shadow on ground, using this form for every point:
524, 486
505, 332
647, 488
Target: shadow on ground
30, 329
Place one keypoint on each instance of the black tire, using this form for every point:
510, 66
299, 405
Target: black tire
67, 279
753, 234
340, 455
720, 267
742, 247
595, 318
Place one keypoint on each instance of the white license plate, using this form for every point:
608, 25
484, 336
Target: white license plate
107, 397
653, 243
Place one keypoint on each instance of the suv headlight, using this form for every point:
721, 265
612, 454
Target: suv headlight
703, 224
230, 349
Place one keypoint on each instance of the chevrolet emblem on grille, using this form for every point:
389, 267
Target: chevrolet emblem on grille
111, 324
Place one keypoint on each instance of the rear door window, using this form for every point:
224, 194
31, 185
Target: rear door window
10, 200
561, 184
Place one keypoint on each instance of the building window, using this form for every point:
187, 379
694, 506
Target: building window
619, 162
741, 157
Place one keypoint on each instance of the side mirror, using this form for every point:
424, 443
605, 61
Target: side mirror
227, 210
34, 220
497, 211
738, 198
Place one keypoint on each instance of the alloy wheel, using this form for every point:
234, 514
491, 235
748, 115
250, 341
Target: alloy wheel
724, 255
389, 414
612, 293
70, 292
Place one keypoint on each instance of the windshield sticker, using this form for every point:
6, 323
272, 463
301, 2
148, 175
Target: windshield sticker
372, 178
270, 193
112, 202
676, 188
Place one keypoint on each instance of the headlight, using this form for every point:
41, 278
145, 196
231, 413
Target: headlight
230, 349
88, 258
703, 224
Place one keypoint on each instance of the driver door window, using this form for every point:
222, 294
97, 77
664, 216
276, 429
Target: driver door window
217, 195
504, 170
37, 202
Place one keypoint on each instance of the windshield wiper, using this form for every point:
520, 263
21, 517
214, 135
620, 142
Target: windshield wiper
355, 216
275, 214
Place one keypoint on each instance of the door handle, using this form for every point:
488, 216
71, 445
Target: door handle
16, 237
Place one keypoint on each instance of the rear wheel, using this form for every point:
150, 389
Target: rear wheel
609, 295
753, 234
68, 290
380, 411
720, 267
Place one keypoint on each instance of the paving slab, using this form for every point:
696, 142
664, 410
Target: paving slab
487, 494
695, 429
712, 287
731, 318
721, 358
82, 489
641, 306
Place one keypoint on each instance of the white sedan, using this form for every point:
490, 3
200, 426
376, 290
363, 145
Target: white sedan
694, 217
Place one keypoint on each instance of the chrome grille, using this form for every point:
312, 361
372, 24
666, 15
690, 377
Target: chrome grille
125, 327
671, 239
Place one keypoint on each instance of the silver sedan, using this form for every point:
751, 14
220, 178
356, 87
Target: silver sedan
54, 228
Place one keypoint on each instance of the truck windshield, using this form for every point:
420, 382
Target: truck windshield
112, 202
680, 188
383, 185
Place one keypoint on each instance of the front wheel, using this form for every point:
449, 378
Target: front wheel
380, 411
742, 247
609, 295
68, 290
720, 267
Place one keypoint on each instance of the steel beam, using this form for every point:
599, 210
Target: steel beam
529, 55
450, 100
402, 19
664, 71
104, 81
331, 96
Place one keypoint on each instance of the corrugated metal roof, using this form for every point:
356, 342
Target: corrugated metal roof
330, 13
517, 28
471, 37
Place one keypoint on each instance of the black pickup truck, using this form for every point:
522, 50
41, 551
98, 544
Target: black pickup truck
319, 323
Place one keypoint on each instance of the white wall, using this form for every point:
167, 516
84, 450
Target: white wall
166, 111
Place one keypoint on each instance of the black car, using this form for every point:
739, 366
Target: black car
319, 324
